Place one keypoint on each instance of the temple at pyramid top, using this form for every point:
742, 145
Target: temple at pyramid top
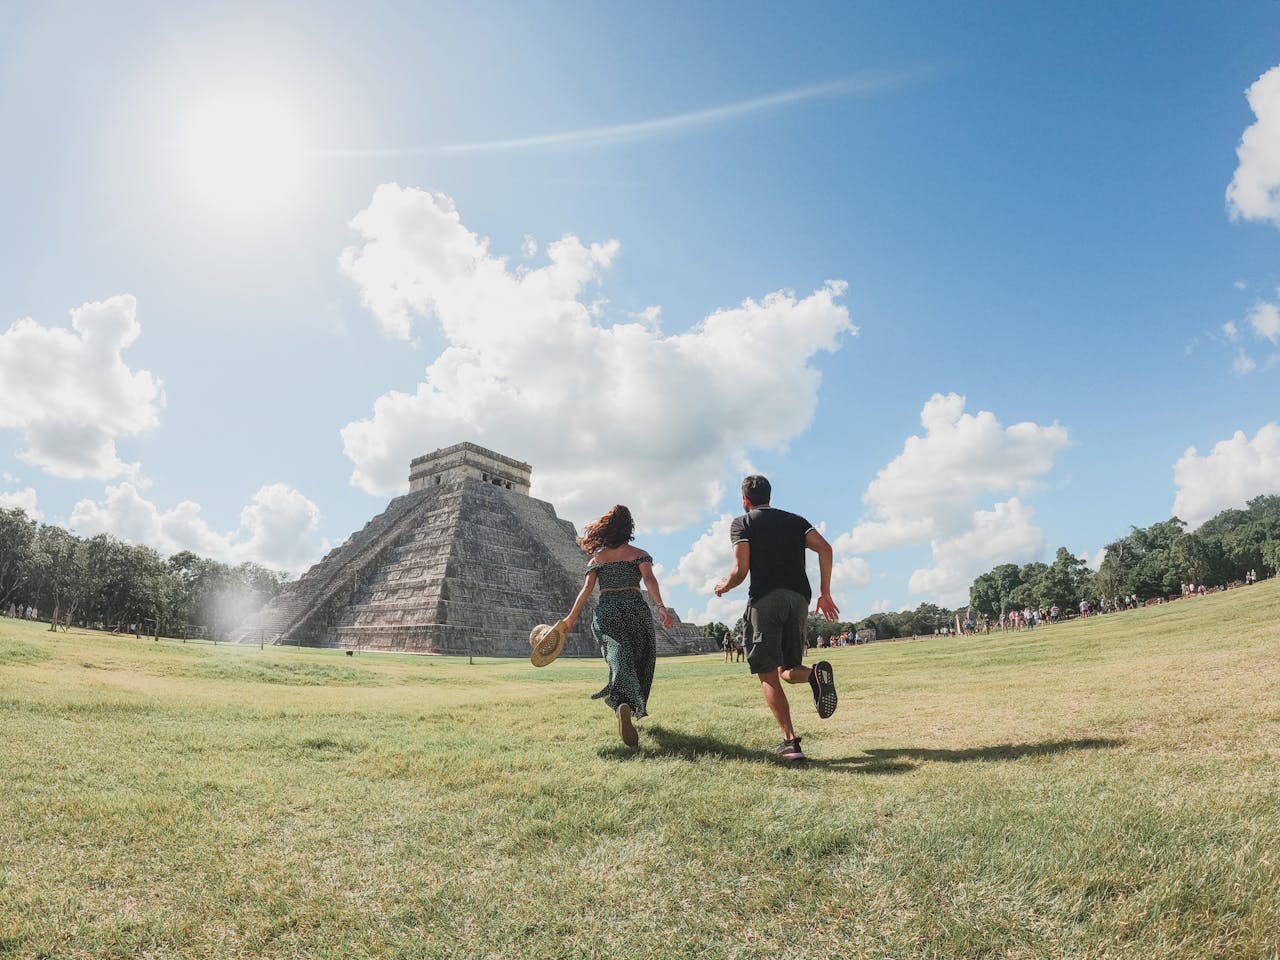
449, 464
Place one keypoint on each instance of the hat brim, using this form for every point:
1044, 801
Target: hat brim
547, 643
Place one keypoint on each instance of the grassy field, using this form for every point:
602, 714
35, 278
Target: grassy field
1101, 788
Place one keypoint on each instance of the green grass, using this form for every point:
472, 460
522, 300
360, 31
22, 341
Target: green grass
1105, 788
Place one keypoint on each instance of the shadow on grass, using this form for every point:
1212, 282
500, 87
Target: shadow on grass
999, 751
658, 741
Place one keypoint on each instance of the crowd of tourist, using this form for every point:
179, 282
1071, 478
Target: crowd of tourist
839, 640
1029, 618
19, 612
735, 648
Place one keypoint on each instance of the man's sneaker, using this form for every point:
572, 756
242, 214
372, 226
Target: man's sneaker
627, 729
823, 682
789, 750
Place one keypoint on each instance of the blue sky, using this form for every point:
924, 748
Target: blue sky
964, 280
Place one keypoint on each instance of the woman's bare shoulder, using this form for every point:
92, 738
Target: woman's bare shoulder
622, 553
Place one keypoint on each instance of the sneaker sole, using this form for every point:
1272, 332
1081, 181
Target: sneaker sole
826, 700
626, 729
784, 752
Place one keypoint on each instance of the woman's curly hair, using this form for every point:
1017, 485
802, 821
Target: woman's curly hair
612, 530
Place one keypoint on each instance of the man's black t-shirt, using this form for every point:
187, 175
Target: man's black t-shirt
777, 550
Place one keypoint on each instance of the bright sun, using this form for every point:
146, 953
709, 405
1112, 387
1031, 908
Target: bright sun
242, 153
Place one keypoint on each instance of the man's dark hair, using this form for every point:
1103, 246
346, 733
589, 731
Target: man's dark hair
757, 490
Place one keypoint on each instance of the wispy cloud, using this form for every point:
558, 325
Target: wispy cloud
863, 84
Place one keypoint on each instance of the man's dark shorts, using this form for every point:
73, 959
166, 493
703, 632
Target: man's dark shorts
776, 623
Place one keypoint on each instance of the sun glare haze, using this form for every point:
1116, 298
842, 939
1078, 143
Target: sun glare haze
242, 153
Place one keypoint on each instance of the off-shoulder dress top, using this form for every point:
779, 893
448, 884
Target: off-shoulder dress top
619, 573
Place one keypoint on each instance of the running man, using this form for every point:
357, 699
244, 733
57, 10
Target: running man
769, 545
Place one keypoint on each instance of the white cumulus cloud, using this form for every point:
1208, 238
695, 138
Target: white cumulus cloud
605, 413
277, 529
651, 317
709, 560
1265, 320
1005, 534
71, 393
24, 499
1232, 473
1254, 191
846, 573
931, 489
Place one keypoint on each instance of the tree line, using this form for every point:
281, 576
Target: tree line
1150, 562
925, 620
105, 583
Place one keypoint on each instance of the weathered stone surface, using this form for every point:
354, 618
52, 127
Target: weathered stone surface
465, 563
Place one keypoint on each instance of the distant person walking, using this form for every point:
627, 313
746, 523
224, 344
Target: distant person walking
623, 623
769, 546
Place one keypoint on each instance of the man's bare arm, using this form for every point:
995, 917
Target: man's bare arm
816, 542
741, 567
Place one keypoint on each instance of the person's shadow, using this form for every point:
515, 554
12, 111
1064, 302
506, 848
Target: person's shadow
903, 756
659, 741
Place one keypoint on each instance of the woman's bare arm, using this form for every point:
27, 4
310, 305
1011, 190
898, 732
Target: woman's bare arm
588, 585
651, 584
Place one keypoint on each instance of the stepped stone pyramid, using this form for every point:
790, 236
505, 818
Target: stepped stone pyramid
465, 563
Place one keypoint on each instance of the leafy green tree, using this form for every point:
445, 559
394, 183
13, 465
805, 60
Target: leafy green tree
1143, 562
264, 583
56, 569
1149, 561
1192, 558
1063, 583
1023, 596
930, 618
1271, 555
215, 596
1234, 539
17, 535
118, 580
884, 625
819, 626
992, 592
204, 585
